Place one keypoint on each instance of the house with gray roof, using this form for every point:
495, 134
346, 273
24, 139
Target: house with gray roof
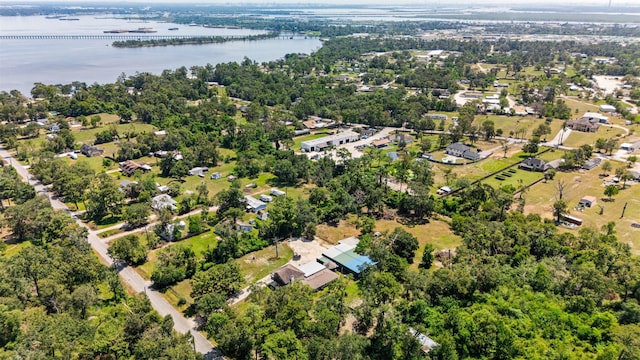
254, 205
533, 164
461, 150
164, 201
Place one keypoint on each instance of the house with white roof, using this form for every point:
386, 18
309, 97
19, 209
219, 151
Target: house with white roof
331, 140
254, 205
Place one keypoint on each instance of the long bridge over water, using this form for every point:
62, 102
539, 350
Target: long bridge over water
117, 37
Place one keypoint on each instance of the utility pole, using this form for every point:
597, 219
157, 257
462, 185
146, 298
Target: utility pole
623, 210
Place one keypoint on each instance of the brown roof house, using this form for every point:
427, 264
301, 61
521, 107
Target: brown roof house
287, 274
589, 122
583, 125
129, 167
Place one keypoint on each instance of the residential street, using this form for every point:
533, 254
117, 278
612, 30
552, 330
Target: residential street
130, 277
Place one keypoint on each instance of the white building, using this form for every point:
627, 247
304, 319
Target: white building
277, 192
254, 205
607, 108
198, 171
331, 140
163, 201
595, 117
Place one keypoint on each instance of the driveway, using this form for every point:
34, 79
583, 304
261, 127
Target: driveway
307, 250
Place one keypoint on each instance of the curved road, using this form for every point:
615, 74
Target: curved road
128, 275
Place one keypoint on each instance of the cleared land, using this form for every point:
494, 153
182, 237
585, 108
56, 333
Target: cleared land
577, 138
540, 199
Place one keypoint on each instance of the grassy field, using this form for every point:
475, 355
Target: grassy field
540, 199
518, 123
581, 105
95, 162
436, 232
88, 135
256, 265
527, 177
183, 290
577, 138
477, 170
106, 234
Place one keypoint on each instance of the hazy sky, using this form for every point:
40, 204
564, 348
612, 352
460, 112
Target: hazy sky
442, 3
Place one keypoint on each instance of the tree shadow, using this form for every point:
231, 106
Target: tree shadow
411, 221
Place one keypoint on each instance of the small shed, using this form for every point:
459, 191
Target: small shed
244, 227
277, 192
628, 147
215, 175
606, 108
587, 201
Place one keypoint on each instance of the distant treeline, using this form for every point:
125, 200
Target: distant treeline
196, 40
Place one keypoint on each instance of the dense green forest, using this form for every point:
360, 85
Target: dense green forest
58, 302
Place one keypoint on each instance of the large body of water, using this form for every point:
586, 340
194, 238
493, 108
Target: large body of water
25, 62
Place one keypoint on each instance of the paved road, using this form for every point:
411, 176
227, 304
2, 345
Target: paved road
135, 281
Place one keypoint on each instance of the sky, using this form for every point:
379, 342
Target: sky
360, 2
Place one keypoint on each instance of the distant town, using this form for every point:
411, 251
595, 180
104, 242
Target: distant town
452, 184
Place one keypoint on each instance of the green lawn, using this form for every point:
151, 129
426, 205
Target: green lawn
105, 222
258, 264
531, 71
581, 105
518, 123
88, 135
12, 249
95, 162
527, 177
577, 138
183, 289
106, 234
